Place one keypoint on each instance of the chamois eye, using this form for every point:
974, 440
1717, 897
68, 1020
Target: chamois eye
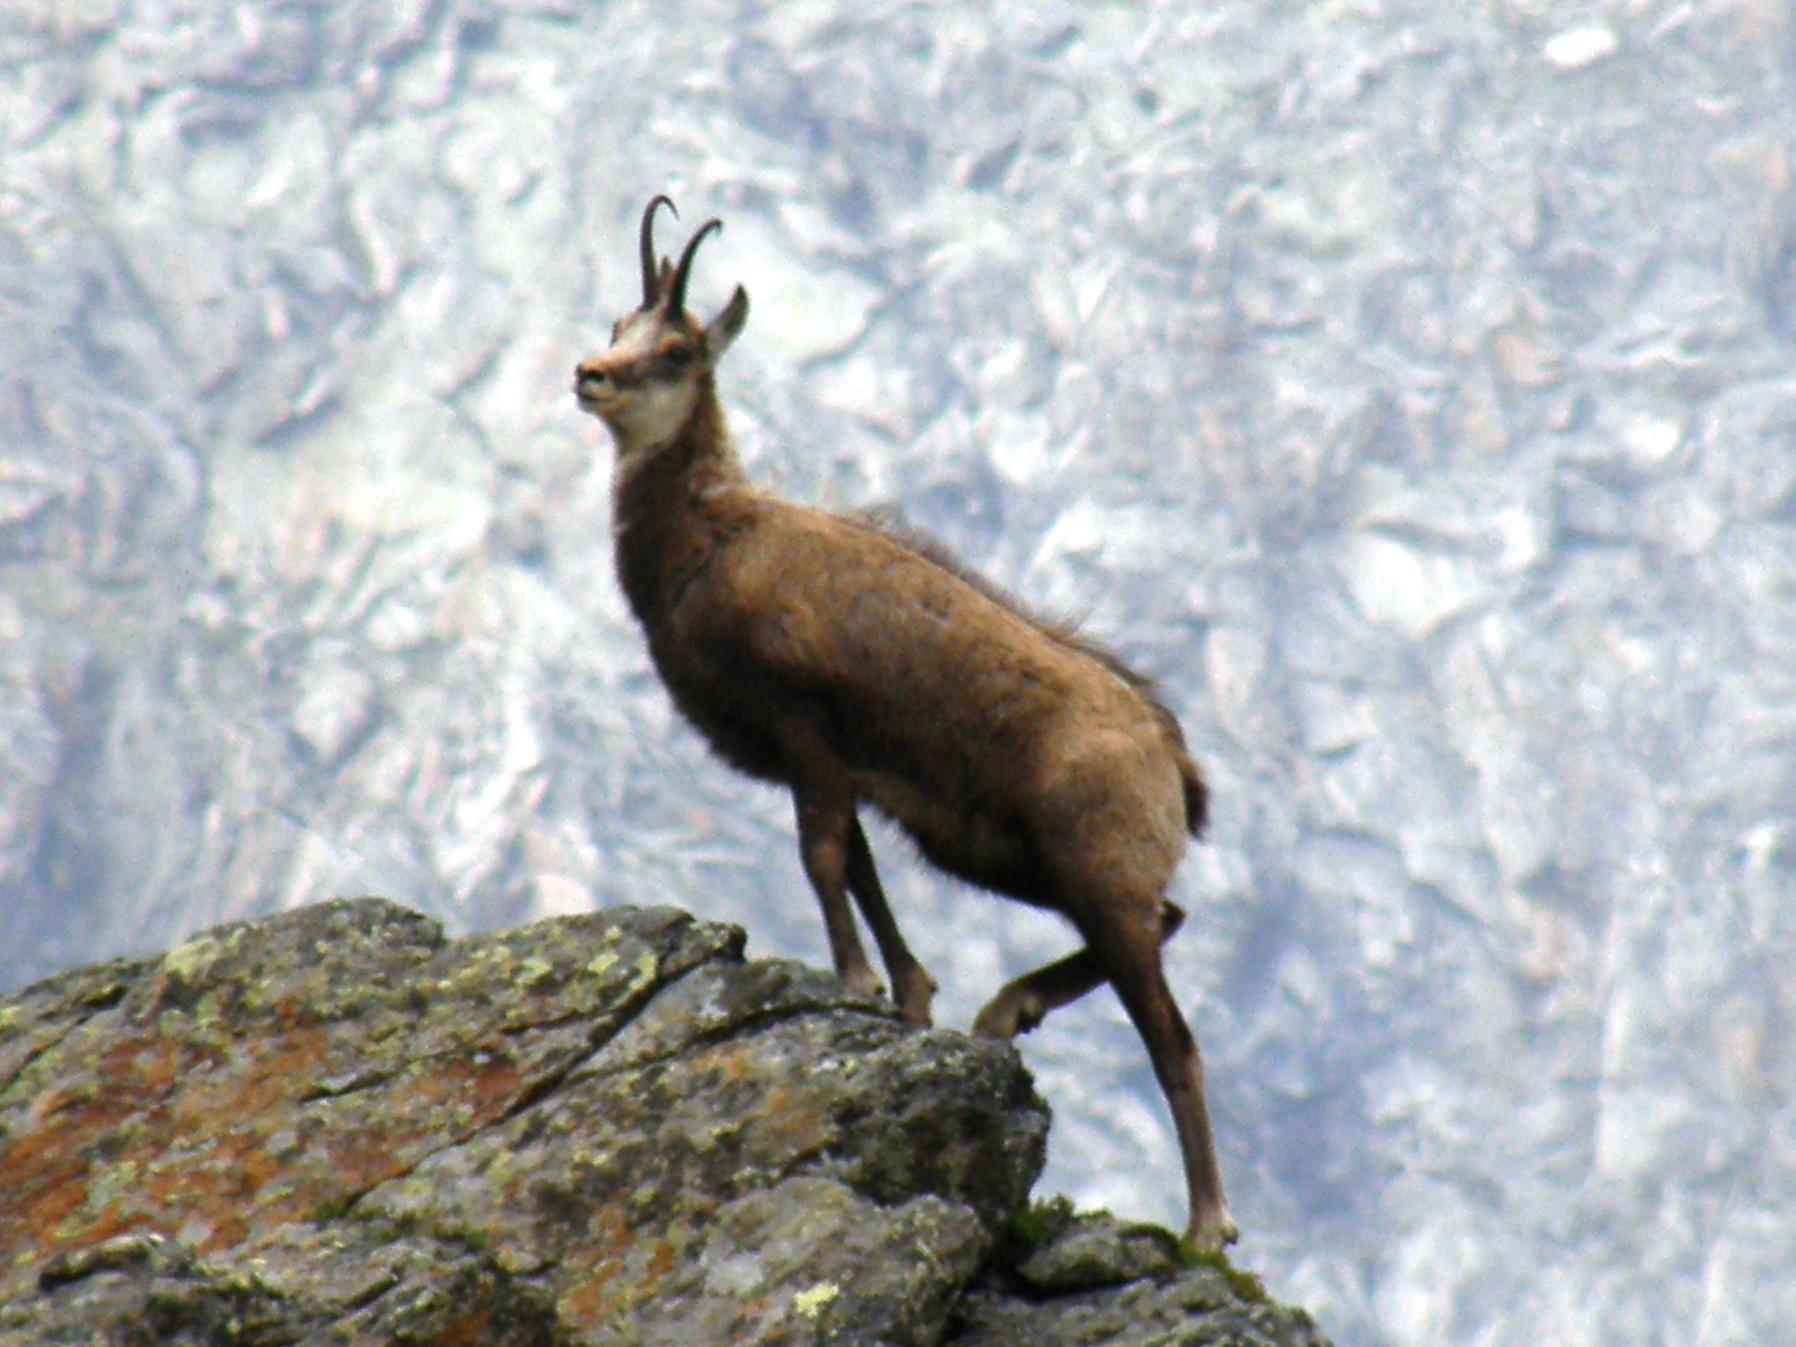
672, 362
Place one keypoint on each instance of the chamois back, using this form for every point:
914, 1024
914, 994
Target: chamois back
1066, 633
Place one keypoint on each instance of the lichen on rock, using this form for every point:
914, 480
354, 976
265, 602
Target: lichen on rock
336, 1124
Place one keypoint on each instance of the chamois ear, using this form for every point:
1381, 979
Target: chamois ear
722, 330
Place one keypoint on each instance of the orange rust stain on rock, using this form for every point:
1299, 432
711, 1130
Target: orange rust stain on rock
494, 1084
592, 1267
254, 1168
129, 1079
44, 1172
469, 1328
426, 1099
732, 1061
592, 1303
360, 1166
281, 1072
788, 1120
40, 1200
608, 1236
52, 1102
292, 1013
191, 1122
753, 1309
195, 1122
110, 1224
262, 1080
147, 1065
662, 1260
31, 1160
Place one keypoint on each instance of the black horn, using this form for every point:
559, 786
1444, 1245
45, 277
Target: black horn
676, 293
648, 247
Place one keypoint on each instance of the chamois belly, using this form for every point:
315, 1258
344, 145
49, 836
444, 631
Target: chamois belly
993, 852
722, 709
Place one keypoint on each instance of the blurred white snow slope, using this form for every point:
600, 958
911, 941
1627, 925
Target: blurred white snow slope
1410, 387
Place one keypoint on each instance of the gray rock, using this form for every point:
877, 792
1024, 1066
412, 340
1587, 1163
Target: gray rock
1098, 1251
1199, 1308
335, 1124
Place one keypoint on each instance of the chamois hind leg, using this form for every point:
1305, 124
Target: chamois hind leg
1126, 942
912, 987
1025, 1002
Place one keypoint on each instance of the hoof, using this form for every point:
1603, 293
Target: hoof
863, 982
1213, 1235
1006, 1016
913, 1000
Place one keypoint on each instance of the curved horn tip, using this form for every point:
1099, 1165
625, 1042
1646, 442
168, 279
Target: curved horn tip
676, 297
650, 284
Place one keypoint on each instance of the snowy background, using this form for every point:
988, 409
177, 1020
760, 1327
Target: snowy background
1411, 388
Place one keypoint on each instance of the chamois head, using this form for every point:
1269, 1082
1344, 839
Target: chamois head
646, 385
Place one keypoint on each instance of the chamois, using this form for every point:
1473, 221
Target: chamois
854, 665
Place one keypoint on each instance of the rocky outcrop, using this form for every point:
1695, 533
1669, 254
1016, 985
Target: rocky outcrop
338, 1125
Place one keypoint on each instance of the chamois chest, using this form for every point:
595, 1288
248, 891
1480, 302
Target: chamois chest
681, 572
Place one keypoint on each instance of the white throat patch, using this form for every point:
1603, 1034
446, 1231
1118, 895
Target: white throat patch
645, 412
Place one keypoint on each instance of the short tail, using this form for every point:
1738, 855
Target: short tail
1197, 796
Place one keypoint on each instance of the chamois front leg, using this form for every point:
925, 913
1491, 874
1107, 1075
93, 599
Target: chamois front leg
825, 819
912, 987
824, 804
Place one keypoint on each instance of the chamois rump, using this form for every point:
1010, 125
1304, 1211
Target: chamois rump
853, 665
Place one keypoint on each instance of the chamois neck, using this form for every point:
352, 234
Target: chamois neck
666, 505
697, 454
